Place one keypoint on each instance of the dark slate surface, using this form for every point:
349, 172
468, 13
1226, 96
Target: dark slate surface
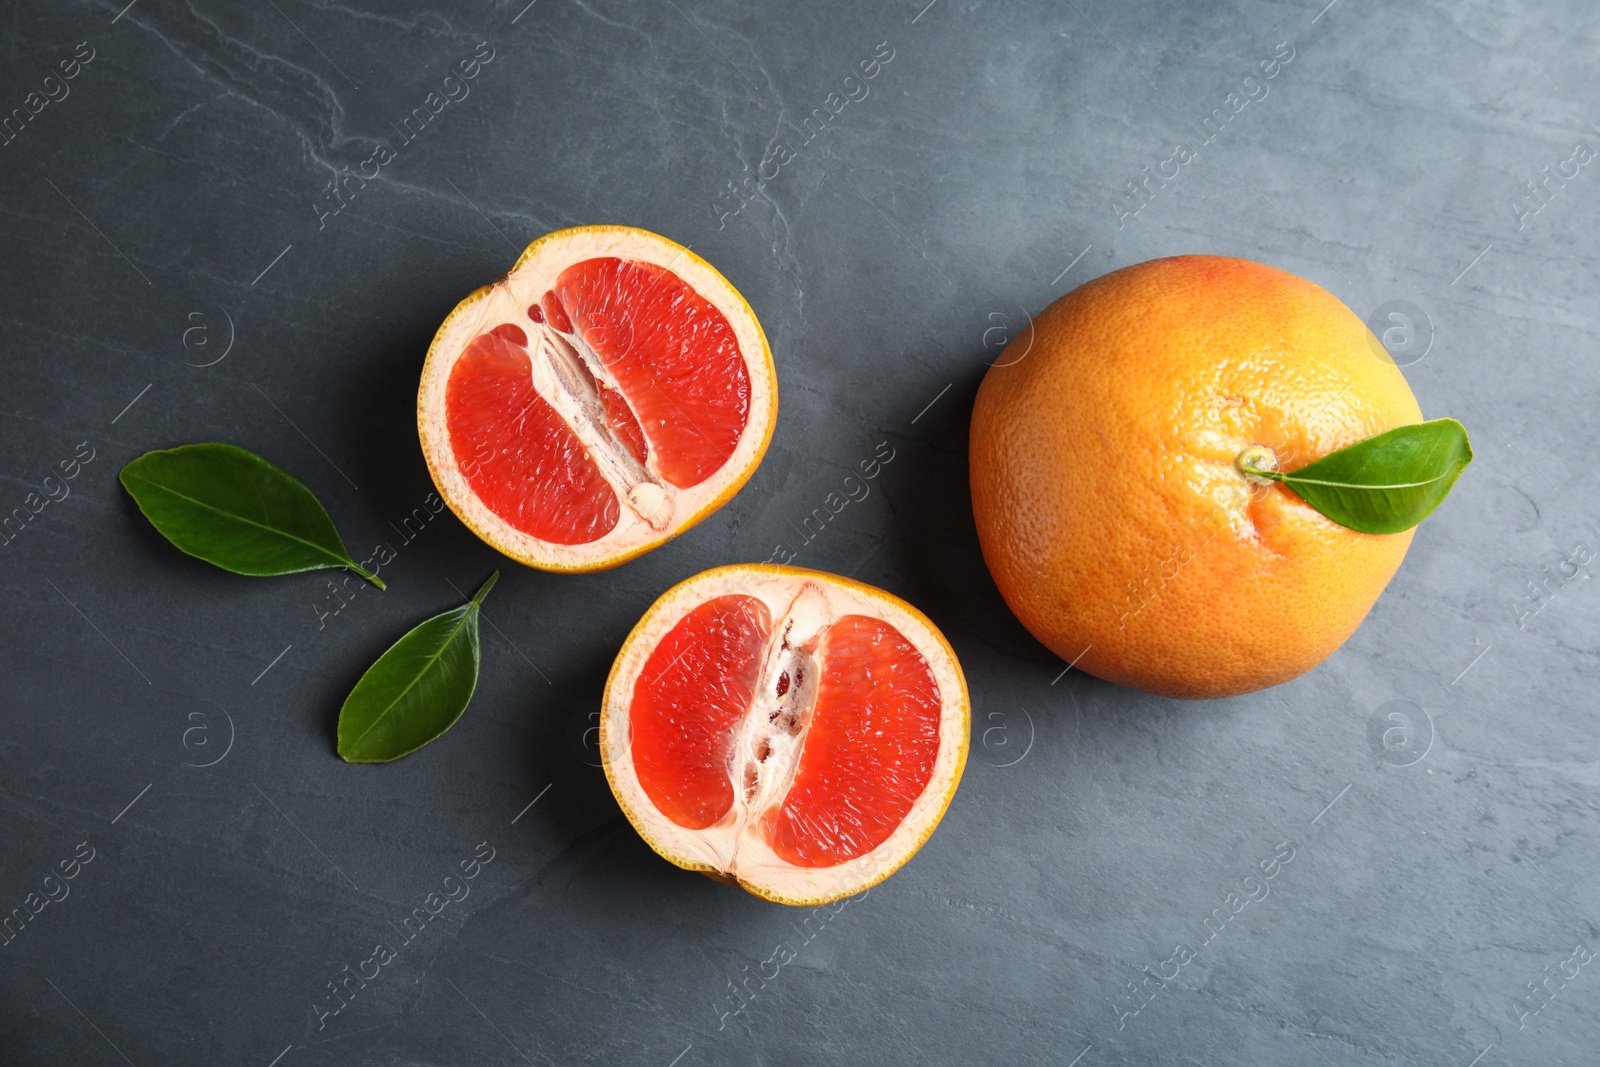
173, 270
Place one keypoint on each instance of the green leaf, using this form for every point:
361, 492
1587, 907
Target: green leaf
230, 507
1385, 484
417, 689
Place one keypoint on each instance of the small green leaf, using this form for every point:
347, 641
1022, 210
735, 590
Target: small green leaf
230, 507
1387, 483
417, 689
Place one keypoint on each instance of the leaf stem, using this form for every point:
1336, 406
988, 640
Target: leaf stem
483, 590
368, 575
1259, 464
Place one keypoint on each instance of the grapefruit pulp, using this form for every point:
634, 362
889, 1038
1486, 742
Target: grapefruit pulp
792, 732
605, 395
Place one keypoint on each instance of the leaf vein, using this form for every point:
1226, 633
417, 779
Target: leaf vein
340, 560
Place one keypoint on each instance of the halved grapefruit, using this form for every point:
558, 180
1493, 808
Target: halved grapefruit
791, 732
608, 393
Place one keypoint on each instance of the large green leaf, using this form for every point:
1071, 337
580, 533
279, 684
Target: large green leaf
417, 689
1387, 483
230, 507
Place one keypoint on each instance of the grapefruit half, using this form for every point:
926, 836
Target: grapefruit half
608, 393
792, 732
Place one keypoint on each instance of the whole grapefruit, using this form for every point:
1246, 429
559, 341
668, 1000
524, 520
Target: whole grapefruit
1109, 502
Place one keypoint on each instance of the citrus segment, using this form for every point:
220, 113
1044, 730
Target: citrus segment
609, 392
693, 690
527, 464
673, 355
797, 733
871, 748
624, 424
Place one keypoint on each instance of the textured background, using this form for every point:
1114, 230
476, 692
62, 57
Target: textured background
173, 271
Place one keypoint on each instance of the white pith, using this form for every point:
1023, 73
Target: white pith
559, 361
652, 509
802, 604
772, 733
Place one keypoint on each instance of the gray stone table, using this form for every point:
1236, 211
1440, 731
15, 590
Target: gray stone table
177, 267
